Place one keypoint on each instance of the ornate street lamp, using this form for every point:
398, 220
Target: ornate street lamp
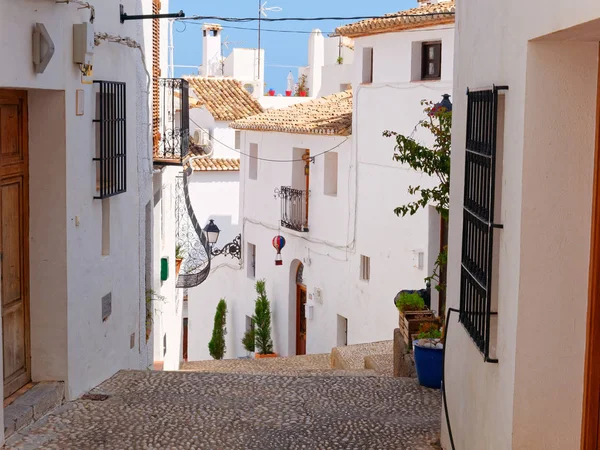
211, 231
233, 249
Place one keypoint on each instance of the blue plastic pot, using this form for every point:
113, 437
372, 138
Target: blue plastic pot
429, 363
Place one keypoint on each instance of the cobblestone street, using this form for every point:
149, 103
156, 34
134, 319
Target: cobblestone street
190, 410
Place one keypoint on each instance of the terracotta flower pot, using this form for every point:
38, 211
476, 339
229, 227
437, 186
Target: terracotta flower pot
178, 262
272, 93
302, 94
270, 355
288, 93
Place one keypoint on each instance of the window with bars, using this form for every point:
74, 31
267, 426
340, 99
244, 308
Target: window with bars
478, 217
111, 151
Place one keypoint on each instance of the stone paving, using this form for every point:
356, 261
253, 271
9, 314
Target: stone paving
191, 410
292, 365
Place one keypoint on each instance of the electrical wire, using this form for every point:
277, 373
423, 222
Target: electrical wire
84, 5
314, 19
267, 159
271, 30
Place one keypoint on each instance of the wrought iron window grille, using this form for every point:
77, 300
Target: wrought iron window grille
232, 249
294, 208
174, 140
111, 142
478, 217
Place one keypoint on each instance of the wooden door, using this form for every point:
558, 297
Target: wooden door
14, 231
300, 320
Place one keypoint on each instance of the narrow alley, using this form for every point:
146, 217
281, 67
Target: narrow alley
183, 410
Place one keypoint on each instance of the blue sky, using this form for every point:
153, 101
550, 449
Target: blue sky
281, 48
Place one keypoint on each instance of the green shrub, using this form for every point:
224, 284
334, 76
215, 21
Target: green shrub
410, 302
262, 321
429, 330
216, 346
248, 340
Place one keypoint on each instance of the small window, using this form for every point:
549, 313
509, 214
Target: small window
251, 261
238, 140
365, 268
367, 65
253, 163
431, 61
331, 174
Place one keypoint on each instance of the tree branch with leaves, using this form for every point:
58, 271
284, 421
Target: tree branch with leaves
433, 161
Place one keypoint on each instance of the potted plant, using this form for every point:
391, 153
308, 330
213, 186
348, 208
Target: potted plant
178, 258
413, 312
429, 355
340, 60
301, 87
216, 346
262, 323
271, 92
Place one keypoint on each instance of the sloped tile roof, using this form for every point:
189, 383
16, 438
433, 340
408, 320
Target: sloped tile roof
224, 98
426, 15
216, 165
331, 115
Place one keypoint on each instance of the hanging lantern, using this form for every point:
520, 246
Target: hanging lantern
278, 244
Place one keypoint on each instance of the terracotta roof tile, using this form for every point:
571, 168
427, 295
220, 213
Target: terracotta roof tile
426, 15
331, 115
224, 98
216, 165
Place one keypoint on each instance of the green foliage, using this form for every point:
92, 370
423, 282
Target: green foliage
410, 302
434, 161
248, 340
262, 321
429, 330
151, 297
216, 346
179, 253
301, 86
340, 60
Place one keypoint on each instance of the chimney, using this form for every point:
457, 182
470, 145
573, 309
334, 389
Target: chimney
211, 50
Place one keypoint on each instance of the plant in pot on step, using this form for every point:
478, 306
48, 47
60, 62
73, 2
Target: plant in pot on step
429, 355
413, 313
262, 323
179, 255
301, 87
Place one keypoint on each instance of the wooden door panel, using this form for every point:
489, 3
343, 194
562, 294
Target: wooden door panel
9, 132
13, 333
14, 248
11, 242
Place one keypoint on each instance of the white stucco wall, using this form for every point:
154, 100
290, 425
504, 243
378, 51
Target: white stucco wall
223, 137
533, 397
215, 195
70, 342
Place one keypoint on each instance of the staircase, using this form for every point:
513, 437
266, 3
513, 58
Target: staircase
374, 356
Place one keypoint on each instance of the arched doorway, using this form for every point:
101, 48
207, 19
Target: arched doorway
300, 312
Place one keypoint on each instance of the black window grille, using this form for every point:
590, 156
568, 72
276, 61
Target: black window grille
478, 216
111, 151
175, 121
294, 208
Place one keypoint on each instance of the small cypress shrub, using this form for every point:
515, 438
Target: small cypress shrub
262, 321
248, 340
216, 346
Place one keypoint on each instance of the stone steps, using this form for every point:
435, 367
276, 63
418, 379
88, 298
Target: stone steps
32, 406
374, 355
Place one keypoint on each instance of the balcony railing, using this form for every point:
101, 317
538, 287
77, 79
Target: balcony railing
174, 136
294, 208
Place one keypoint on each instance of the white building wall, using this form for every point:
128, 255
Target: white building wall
533, 397
215, 195
223, 137
242, 64
87, 350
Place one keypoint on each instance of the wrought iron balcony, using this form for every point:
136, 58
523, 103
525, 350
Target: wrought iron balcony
172, 126
294, 208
